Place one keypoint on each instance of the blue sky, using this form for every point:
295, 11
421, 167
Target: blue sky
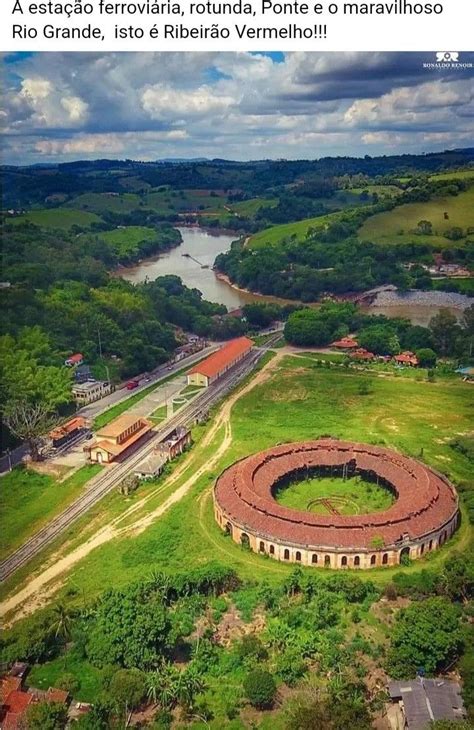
64, 106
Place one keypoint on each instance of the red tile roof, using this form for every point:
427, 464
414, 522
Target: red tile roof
57, 695
75, 358
425, 502
17, 701
407, 357
361, 354
7, 685
223, 358
72, 425
346, 343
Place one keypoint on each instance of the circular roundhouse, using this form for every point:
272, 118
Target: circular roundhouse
425, 511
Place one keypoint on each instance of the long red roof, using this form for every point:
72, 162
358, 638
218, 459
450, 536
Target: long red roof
215, 363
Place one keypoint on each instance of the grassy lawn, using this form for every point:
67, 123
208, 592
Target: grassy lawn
159, 415
29, 499
394, 226
103, 203
388, 191
250, 207
297, 402
460, 175
353, 496
87, 676
62, 218
126, 240
299, 229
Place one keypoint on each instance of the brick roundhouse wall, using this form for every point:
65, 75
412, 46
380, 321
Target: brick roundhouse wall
424, 515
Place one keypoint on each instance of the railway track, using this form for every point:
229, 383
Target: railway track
105, 482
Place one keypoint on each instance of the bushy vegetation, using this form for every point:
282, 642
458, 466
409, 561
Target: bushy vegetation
381, 335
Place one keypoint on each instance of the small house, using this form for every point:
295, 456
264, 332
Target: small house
362, 354
90, 391
407, 358
74, 360
418, 702
151, 467
345, 344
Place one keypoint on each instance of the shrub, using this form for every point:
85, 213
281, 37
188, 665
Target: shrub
260, 689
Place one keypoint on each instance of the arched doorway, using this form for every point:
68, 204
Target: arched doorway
298, 556
261, 547
272, 550
314, 559
344, 561
228, 529
356, 561
385, 559
286, 554
327, 561
404, 555
245, 540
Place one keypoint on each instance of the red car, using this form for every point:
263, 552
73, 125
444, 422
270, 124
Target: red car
132, 384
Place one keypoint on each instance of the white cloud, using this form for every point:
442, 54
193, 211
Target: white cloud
234, 105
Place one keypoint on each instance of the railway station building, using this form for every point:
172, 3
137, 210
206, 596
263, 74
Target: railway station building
217, 364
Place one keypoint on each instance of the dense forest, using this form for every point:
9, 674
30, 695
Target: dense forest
26, 186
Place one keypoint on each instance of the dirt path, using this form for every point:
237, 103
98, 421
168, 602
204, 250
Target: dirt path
42, 587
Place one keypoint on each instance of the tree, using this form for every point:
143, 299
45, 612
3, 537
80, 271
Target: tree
63, 618
426, 357
424, 228
426, 634
129, 628
29, 422
46, 716
445, 329
260, 688
127, 689
380, 339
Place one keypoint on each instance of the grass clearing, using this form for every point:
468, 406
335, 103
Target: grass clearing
105, 203
394, 226
346, 496
28, 500
126, 241
61, 218
298, 229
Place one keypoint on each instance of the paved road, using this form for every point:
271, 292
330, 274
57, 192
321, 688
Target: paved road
90, 411
113, 475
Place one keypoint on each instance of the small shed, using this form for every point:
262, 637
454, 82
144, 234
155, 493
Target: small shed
424, 700
151, 467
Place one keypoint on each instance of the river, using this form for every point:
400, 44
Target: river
204, 246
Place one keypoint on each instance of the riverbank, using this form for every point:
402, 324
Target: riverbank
415, 297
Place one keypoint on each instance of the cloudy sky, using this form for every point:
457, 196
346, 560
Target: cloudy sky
65, 106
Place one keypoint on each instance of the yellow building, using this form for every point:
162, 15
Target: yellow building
116, 438
214, 366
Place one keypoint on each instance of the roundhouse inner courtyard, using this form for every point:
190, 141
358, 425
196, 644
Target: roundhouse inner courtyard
331, 531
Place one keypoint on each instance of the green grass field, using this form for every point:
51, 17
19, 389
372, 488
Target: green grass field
394, 226
126, 241
347, 496
103, 203
385, 191
299, 229
250, 207
29, 499
61, 218
460, 175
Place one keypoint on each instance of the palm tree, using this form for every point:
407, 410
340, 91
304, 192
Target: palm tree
62, 622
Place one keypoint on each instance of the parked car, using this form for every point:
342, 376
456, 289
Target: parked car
132, 384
